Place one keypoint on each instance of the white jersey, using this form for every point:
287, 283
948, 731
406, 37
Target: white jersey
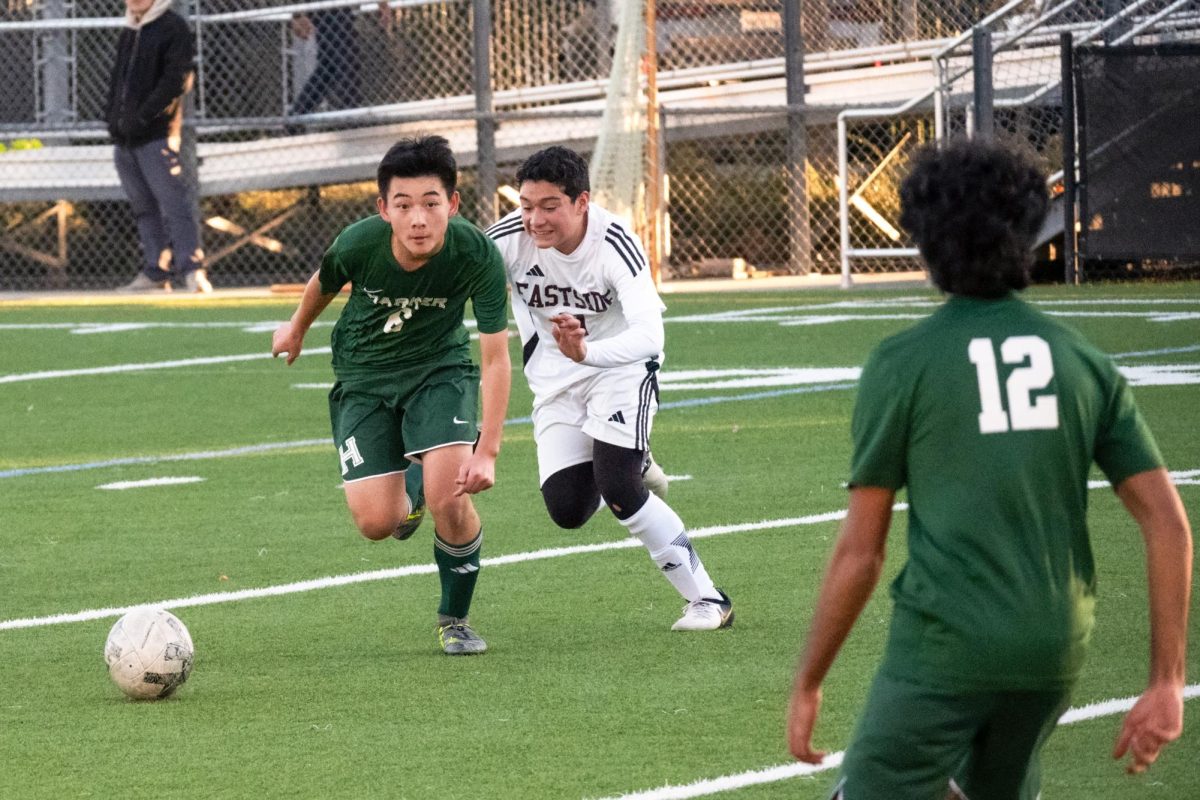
605, 282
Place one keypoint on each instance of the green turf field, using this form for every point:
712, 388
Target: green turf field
341, 691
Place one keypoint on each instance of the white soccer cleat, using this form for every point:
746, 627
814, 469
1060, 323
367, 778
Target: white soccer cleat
196, 282
142, 284
706, 615
654, 478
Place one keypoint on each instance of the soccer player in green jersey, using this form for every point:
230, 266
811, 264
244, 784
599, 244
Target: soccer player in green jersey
405, 405
991, 414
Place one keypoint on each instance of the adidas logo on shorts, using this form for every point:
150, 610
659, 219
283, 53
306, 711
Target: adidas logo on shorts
617, 417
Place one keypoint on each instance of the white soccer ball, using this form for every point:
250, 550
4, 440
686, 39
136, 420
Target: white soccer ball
149, 653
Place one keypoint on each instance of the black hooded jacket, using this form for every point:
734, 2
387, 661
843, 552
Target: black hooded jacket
149, 77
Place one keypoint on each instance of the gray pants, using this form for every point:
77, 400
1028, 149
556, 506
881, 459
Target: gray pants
164, 206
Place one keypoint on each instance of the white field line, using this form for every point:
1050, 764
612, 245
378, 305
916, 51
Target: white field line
783, 772
1161, 375
425, 569
1180, 477
1162, 351
1151, 374
729, 783
119, 485
21, 377
115, 368
413, 569
261, 326
307, 443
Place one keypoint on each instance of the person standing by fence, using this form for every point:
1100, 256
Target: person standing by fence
144, 113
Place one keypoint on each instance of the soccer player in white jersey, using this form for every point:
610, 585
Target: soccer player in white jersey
591, 327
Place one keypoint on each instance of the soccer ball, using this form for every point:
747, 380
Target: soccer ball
149, 653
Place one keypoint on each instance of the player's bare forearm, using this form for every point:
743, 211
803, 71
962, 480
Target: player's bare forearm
1157, 717
853, 571
1154, 503
495, 386
312, 303
289, 337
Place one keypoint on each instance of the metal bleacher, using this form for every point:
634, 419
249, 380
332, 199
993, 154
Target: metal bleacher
867, 85
80, 172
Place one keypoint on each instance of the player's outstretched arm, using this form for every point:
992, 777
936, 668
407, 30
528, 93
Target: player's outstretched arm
1157, 717
289, 337
479, 471
853, 572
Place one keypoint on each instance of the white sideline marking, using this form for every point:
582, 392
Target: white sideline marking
259, 326
810, 315
400, 572
728, 783
1162, 351
1146, 375
121, 327
785, 772
114, 368
1162, 374
305, 443
690, 379
1187, 476
1106, 708
183, 362
695, 379
119, 485
672, 380
1180, 477
202, 455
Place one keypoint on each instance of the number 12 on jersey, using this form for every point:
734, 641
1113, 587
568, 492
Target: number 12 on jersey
1025, 413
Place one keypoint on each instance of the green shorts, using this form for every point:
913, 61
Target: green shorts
911, 741
383, 421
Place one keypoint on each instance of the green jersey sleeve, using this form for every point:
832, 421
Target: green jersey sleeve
879, 427
489, 297
1125, 445
332, 275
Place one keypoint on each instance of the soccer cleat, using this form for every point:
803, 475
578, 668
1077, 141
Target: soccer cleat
413, 521
458, 639
706, 615
143, 284
654, 478
196, 282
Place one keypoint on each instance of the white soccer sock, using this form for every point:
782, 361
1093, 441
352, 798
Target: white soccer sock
662, 532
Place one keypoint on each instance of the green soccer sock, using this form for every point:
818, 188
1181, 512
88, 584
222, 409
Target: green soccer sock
458, 566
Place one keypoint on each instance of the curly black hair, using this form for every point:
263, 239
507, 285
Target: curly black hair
416, 158
974, 208
565, 168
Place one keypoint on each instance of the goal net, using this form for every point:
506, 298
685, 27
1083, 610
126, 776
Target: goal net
618, 162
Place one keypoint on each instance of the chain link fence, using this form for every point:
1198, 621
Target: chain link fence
295, 103
1024, 110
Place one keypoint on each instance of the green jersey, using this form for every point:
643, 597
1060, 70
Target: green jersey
398, 318
991, 414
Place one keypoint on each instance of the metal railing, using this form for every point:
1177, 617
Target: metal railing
1026, 78
279, 179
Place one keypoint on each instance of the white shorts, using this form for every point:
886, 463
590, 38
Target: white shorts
616, 406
